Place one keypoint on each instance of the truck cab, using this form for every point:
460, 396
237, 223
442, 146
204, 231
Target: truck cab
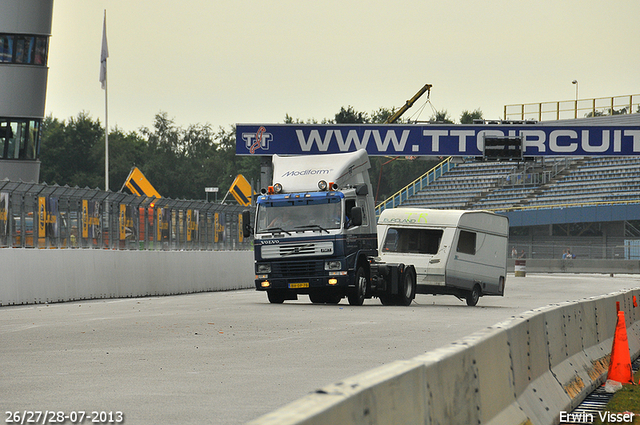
315, 229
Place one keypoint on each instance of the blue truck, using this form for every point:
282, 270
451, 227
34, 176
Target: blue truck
315, 234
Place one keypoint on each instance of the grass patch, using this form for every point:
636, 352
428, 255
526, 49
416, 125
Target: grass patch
625, 400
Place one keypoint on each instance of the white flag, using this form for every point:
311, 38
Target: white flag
104, 54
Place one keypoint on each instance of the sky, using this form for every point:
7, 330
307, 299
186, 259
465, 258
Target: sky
222, 62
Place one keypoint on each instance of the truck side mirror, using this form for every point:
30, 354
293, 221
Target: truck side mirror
362, 189
246, 223
356, 216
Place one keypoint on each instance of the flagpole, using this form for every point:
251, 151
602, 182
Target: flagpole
104, 54
106, 137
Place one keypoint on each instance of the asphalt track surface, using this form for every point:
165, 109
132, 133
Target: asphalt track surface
229, 357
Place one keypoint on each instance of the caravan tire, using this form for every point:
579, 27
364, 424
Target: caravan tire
473, 296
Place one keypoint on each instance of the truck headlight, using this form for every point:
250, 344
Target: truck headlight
332, 265
263, 268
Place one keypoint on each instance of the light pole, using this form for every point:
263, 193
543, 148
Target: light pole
576, 83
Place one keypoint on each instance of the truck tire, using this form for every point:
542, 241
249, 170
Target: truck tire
387, 299
317, 298
275, 297
473, 296
407, 290
357, 296
334, 299
320, 298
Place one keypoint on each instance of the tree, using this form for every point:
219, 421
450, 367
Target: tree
467, 117
125, 152
181, 162
72, 153
594, 114
441, 117
350, 116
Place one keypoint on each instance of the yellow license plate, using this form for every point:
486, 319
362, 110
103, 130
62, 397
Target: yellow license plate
298, 285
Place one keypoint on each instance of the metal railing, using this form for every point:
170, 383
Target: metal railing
36, 215
415, 186
568, 109
617, 249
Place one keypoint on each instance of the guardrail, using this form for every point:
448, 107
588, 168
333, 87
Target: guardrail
564, 205
412, 188
567, 109
36, 215
526, 370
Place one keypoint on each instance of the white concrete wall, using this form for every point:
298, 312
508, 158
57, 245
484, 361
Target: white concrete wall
30, 276
525, 370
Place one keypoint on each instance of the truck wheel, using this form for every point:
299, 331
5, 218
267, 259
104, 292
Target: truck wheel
387, 299
275, 297
357, 296
317, 298
473, 296
334, 299
408, 288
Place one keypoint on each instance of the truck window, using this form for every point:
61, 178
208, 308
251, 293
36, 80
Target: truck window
298, 215
414, 241
467, 242
348, 204
362, 202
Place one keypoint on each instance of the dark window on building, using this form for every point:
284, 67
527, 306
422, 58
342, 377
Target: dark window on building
6, 48
467, 242
23, 49
19, 139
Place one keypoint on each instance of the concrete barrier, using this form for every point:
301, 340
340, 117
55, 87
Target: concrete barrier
31, 276
525, 370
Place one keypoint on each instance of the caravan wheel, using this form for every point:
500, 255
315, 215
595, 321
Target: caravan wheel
473, 296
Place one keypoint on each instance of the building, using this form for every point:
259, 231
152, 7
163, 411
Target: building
25, 29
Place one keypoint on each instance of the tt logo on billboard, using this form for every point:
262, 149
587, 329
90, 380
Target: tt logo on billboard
257, 140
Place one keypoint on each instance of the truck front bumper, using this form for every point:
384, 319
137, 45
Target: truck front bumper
301, 285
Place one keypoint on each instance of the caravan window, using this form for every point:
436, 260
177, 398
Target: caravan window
467, 242
415, 241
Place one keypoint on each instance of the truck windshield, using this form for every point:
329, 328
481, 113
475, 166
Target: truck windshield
298, 216
417, 241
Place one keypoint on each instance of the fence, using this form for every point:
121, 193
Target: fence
579, 108
36, 215
617, 248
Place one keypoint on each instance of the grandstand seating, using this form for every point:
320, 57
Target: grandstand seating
510, 185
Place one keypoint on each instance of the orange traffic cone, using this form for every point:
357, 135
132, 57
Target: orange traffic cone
620, 364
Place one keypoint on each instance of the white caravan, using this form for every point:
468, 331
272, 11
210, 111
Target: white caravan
461, 253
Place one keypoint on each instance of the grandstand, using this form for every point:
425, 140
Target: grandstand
555, 182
